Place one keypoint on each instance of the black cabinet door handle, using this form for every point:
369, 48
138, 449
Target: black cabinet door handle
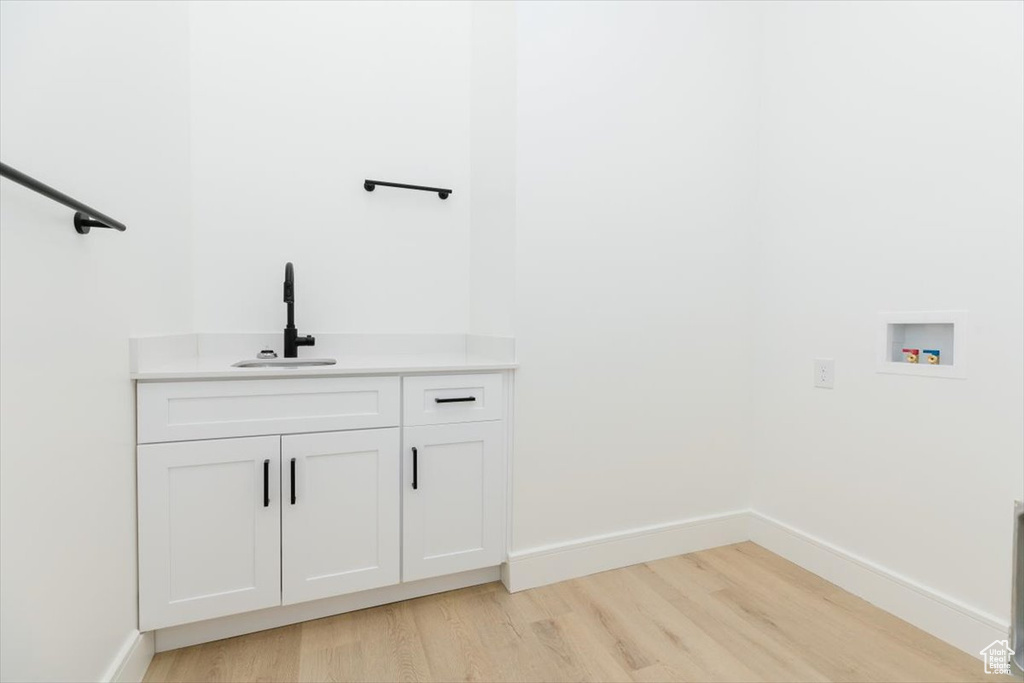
460, 399
415, 467
266, 483
293, 480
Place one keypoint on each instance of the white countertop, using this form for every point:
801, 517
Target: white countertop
220, 368
209, 357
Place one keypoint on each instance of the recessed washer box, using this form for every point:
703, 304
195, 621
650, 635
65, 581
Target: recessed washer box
941, 330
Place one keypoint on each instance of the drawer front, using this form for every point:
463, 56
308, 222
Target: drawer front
443, 399
182, 411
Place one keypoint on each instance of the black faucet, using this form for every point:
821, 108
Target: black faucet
292, 340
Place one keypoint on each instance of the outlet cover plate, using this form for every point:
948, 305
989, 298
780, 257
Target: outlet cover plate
824, 373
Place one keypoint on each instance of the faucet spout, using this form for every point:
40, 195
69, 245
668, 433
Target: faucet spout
289, 283
289, 293
292, 340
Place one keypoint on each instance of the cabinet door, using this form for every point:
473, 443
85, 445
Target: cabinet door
454, 498
340, 520
209, 529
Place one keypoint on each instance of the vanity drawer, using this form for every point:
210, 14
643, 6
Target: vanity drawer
182, 411
442, 399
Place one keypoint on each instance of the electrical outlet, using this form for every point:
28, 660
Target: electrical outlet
824, 373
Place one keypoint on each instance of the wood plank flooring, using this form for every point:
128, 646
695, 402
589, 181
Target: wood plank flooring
737, 613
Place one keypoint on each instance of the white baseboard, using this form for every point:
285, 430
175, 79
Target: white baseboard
558, 562
261, 620
960, 625
133, 659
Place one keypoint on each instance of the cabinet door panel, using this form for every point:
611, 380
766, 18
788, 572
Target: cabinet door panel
341, 535
209, 541
455, 517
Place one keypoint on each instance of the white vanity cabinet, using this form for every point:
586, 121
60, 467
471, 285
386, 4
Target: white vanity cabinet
266, 493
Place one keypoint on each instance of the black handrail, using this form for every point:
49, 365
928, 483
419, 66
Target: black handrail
369, 185
85, 216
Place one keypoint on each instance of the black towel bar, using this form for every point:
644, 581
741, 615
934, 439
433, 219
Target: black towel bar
86, 217
369, 186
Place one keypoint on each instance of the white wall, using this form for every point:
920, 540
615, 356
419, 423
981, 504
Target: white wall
634, 181
709, 196
493, 169
90, 103
891, 176
293, 105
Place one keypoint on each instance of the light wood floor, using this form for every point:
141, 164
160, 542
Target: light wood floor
737, 613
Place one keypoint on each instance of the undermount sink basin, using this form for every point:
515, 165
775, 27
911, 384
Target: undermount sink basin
283, 362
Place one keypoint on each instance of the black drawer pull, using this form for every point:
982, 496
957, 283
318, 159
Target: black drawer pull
415, 467
461, 399
266, 483
293, 480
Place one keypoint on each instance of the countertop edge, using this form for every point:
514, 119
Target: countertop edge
293, 373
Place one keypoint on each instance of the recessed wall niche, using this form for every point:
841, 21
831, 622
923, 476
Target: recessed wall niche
936, 339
